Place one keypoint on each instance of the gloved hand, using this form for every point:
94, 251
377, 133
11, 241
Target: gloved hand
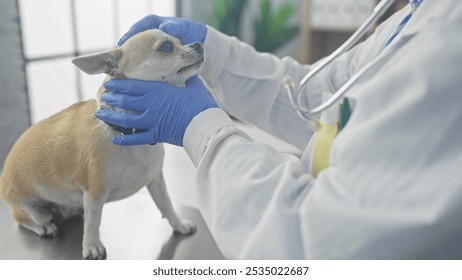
187, 31
166, 110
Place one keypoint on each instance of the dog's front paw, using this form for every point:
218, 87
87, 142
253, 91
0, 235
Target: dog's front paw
94, 252
186, 227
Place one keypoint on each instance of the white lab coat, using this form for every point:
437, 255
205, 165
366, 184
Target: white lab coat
393, 189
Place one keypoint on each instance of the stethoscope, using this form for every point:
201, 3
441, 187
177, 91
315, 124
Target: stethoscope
295, 96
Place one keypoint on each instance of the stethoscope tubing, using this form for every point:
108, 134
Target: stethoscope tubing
295, 97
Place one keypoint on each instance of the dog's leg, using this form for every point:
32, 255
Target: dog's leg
35, 216
159, 194
93, 248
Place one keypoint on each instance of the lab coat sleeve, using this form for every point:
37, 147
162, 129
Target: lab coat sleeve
244, 81
249, 193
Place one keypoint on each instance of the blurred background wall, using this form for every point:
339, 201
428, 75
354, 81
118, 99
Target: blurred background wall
304, 29
14, 104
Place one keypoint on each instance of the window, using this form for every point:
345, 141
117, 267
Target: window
55, 31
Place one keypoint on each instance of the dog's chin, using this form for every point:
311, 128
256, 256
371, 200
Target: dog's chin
191, 69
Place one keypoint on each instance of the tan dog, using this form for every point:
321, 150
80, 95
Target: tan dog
67, 163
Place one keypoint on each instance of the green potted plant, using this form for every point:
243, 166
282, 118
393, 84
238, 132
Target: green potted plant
272, 28
227, 15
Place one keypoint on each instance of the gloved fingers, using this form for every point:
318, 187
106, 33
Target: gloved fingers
174, 28
124, 101
187, 31
148, 22
134, 87
194, 80
143, 138
121, 119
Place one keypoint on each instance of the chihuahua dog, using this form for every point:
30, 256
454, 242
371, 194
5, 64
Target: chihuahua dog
66, 165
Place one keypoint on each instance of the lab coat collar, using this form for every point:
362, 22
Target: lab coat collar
415, 4
427, 12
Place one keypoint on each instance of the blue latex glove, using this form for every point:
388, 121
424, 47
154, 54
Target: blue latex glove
187, 31
166, 110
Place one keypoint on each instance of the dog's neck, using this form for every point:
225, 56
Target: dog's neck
102, 105
101, 90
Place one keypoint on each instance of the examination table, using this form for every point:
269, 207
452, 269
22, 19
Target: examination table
132, 228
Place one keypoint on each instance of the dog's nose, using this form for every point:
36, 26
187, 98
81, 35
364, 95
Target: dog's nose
198, 48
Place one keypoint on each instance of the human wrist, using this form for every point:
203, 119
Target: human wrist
203, 127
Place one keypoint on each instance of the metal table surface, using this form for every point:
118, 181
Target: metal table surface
131, 229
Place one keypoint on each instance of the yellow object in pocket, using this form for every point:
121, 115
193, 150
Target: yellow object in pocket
322, 146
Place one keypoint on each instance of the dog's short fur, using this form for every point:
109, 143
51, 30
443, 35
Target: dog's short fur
66, 165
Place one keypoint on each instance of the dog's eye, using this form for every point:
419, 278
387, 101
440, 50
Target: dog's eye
167, 47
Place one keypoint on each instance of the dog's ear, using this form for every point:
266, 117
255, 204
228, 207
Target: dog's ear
105, 62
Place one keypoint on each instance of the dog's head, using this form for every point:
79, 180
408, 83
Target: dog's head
151, 55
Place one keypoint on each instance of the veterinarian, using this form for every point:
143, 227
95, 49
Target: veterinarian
387, 184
